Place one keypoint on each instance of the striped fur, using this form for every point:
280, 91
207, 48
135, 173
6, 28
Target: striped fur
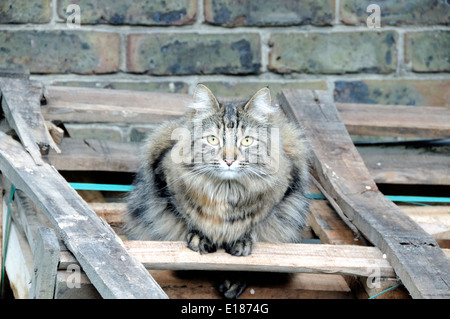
225, 199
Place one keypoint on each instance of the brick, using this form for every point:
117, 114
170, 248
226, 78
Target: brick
394, 92
333, 53
269, 13
193, 53
149, 12
396, 12
25, 11
60, 51
247, 89
160, 86
133, 12
428, 51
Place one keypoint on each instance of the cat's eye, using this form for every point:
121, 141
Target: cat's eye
247, 141
213, 140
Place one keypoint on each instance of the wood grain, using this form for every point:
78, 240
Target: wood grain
97, 248
414, 254
266, 257
21, 105
396, 120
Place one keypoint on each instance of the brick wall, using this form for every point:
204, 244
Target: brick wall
236, 47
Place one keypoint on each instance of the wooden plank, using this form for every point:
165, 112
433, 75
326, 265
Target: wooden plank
396, 120
19, 263
26, 215
91, 154
414, 254
2, 222
291, 258
266, 257
55, 132
439, 215
401, 165
386, 165
329, 227
98, 249
100, 105
21, 105
112, 213
71, 285
435, 220
203, 285
45, 265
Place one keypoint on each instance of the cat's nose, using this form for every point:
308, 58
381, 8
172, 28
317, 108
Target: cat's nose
229, 161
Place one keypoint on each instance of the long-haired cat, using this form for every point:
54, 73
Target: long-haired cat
222, 176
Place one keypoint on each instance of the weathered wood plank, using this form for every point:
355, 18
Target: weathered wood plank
98, 249
71, 285
391, 166
91, 154
439, 215
45, 265
308, 258
400, 165
112, 213
396, 120
28, 217
203, 285
435, 220
329, 227
414, 254
290, 258
21, 105
19, 263
100, 105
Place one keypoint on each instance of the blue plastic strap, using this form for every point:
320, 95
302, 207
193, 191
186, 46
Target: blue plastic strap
101, 187
128, 188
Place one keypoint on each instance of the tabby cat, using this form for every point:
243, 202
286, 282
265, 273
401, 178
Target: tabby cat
223, 176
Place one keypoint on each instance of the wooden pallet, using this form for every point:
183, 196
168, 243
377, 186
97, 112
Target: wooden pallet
60, 242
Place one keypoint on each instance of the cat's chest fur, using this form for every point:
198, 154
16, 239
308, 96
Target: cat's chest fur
224, 211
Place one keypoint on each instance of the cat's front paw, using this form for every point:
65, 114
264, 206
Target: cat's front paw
241, 247
200, 243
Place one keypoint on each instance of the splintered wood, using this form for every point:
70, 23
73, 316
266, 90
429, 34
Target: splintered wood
97, 248
414, 254
112, 268
21, 104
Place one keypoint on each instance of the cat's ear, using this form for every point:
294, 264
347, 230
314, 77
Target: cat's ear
204, 99
260, 105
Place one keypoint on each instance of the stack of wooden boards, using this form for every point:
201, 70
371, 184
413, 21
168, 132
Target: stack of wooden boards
65, 250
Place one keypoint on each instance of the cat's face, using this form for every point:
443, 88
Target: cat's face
235, 140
